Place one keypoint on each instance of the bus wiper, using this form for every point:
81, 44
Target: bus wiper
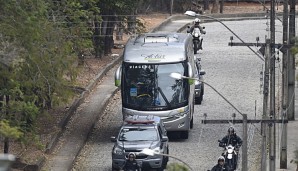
164, 97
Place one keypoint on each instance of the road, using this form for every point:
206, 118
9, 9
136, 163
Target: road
233, 71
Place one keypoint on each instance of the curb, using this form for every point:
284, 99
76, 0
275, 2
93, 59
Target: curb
77, 102
168, 20
108, 99
226, 17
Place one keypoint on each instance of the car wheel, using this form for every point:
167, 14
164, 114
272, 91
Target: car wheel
191, 123
202, 90
199, 99
184, 134
165, 160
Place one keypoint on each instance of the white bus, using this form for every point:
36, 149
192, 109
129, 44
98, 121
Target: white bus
147, 88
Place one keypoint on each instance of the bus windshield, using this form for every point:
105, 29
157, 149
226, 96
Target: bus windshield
149, 86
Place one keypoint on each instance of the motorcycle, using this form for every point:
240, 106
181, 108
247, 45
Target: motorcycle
197, 38
230, 154
140, 163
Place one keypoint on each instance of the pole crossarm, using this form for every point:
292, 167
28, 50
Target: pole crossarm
246, 44
238, 121
282, 47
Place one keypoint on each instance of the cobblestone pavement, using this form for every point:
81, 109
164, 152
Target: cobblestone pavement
233, 71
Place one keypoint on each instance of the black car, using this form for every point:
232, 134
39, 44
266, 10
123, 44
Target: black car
138, 133
199, 86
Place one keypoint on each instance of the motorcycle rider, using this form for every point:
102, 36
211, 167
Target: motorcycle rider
131, 163
220, 166
197, 22
231, 138
234, 140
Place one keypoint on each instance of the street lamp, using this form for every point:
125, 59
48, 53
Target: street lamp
5, 161
194, 14
151, 152
244, 145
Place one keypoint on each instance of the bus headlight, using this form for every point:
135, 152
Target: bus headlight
179, 115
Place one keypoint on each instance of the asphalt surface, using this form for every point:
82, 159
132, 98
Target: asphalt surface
233, 71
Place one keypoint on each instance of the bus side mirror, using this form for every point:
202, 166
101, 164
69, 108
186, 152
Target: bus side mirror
118, 76
190, 70
190, 74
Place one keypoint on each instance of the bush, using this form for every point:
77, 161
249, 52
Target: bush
176, 167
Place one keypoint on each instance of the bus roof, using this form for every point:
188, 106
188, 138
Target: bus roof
157, 48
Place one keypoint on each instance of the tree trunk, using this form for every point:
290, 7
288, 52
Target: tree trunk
131, 23
120, 29
1, 103
96, 39
108, 30
215, 6
6, 145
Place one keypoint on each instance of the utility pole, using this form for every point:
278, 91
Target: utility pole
265, 106
272, 149
283, 150
172, 4
244, 144
291, 63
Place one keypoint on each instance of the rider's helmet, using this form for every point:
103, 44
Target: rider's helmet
231, 131
131, 156
197, 21
221, 159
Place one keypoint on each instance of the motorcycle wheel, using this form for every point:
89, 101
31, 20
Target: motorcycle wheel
231, 165
195, 47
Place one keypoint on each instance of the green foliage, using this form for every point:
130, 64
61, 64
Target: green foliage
8, 131
76, 18
176, 167
44, 69
39, 44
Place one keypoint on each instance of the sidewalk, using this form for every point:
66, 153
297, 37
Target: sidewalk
78, 129
292, 136
82, 122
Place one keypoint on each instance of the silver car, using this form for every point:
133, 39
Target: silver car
136, 134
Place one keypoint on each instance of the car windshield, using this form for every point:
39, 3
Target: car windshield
138, 134
149, 86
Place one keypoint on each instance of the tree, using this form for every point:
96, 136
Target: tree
36, 66
8, 132
215, 6
79, 20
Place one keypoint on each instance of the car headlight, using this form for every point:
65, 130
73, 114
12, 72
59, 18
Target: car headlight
118, 151
197, 82
157, 150
230, 150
